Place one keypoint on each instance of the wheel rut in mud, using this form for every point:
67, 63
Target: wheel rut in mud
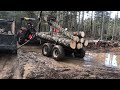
31, 64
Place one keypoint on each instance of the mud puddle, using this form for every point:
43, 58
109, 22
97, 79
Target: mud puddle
110, 59
106, 59
30, 63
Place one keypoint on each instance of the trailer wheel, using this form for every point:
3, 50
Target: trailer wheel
46, 49
58, 52
80, 53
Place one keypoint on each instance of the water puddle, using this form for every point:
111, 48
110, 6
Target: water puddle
106, 59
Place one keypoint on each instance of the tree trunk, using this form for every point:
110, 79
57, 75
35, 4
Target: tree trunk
82, 24
102, 26
79, 20
113, 32
116, 26
93, 30
107, 33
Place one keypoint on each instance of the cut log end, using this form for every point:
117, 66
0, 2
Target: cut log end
82, 34
78, 45
75, 33
86, 43
76, 38
81, 45
82, 40
73, 44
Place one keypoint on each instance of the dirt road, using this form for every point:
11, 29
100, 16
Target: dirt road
31, 64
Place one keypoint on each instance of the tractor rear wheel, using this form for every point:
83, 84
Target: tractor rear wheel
21, 38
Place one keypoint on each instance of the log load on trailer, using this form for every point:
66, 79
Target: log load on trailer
8, 40
61, 43
57, 43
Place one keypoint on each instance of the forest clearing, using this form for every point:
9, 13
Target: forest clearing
96, 33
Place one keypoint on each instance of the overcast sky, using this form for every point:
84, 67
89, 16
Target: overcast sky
112, 14
115, 12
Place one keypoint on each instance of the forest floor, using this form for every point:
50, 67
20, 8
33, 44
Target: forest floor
31, 64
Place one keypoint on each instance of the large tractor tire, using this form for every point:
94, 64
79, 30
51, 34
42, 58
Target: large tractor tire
58, 52
21, 41
21, 38
80, 53
46, 49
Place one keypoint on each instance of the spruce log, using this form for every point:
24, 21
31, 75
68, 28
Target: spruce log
79, 45
62, 30
61, 40
85, 43
80, 34
73, 44
82, 40
75, 33
66, 33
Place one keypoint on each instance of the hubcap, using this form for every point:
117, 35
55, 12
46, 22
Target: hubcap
55, 53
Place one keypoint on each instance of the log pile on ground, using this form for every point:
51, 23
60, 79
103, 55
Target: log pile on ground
102, 43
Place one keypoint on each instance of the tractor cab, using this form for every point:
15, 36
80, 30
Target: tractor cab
28, 23
27, 29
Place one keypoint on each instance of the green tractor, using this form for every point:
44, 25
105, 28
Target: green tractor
27, 30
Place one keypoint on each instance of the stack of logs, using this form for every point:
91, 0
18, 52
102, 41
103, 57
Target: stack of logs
74, 40
102, 43
77, 42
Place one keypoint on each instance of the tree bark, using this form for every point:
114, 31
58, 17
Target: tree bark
57, 39
79, 21
82, 24
108, 26
102, 26
66, 33
113, 32
116, 26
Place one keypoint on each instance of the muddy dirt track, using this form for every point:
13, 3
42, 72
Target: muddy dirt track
31, 64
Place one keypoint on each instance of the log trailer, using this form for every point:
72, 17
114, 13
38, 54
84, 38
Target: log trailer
60, 44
